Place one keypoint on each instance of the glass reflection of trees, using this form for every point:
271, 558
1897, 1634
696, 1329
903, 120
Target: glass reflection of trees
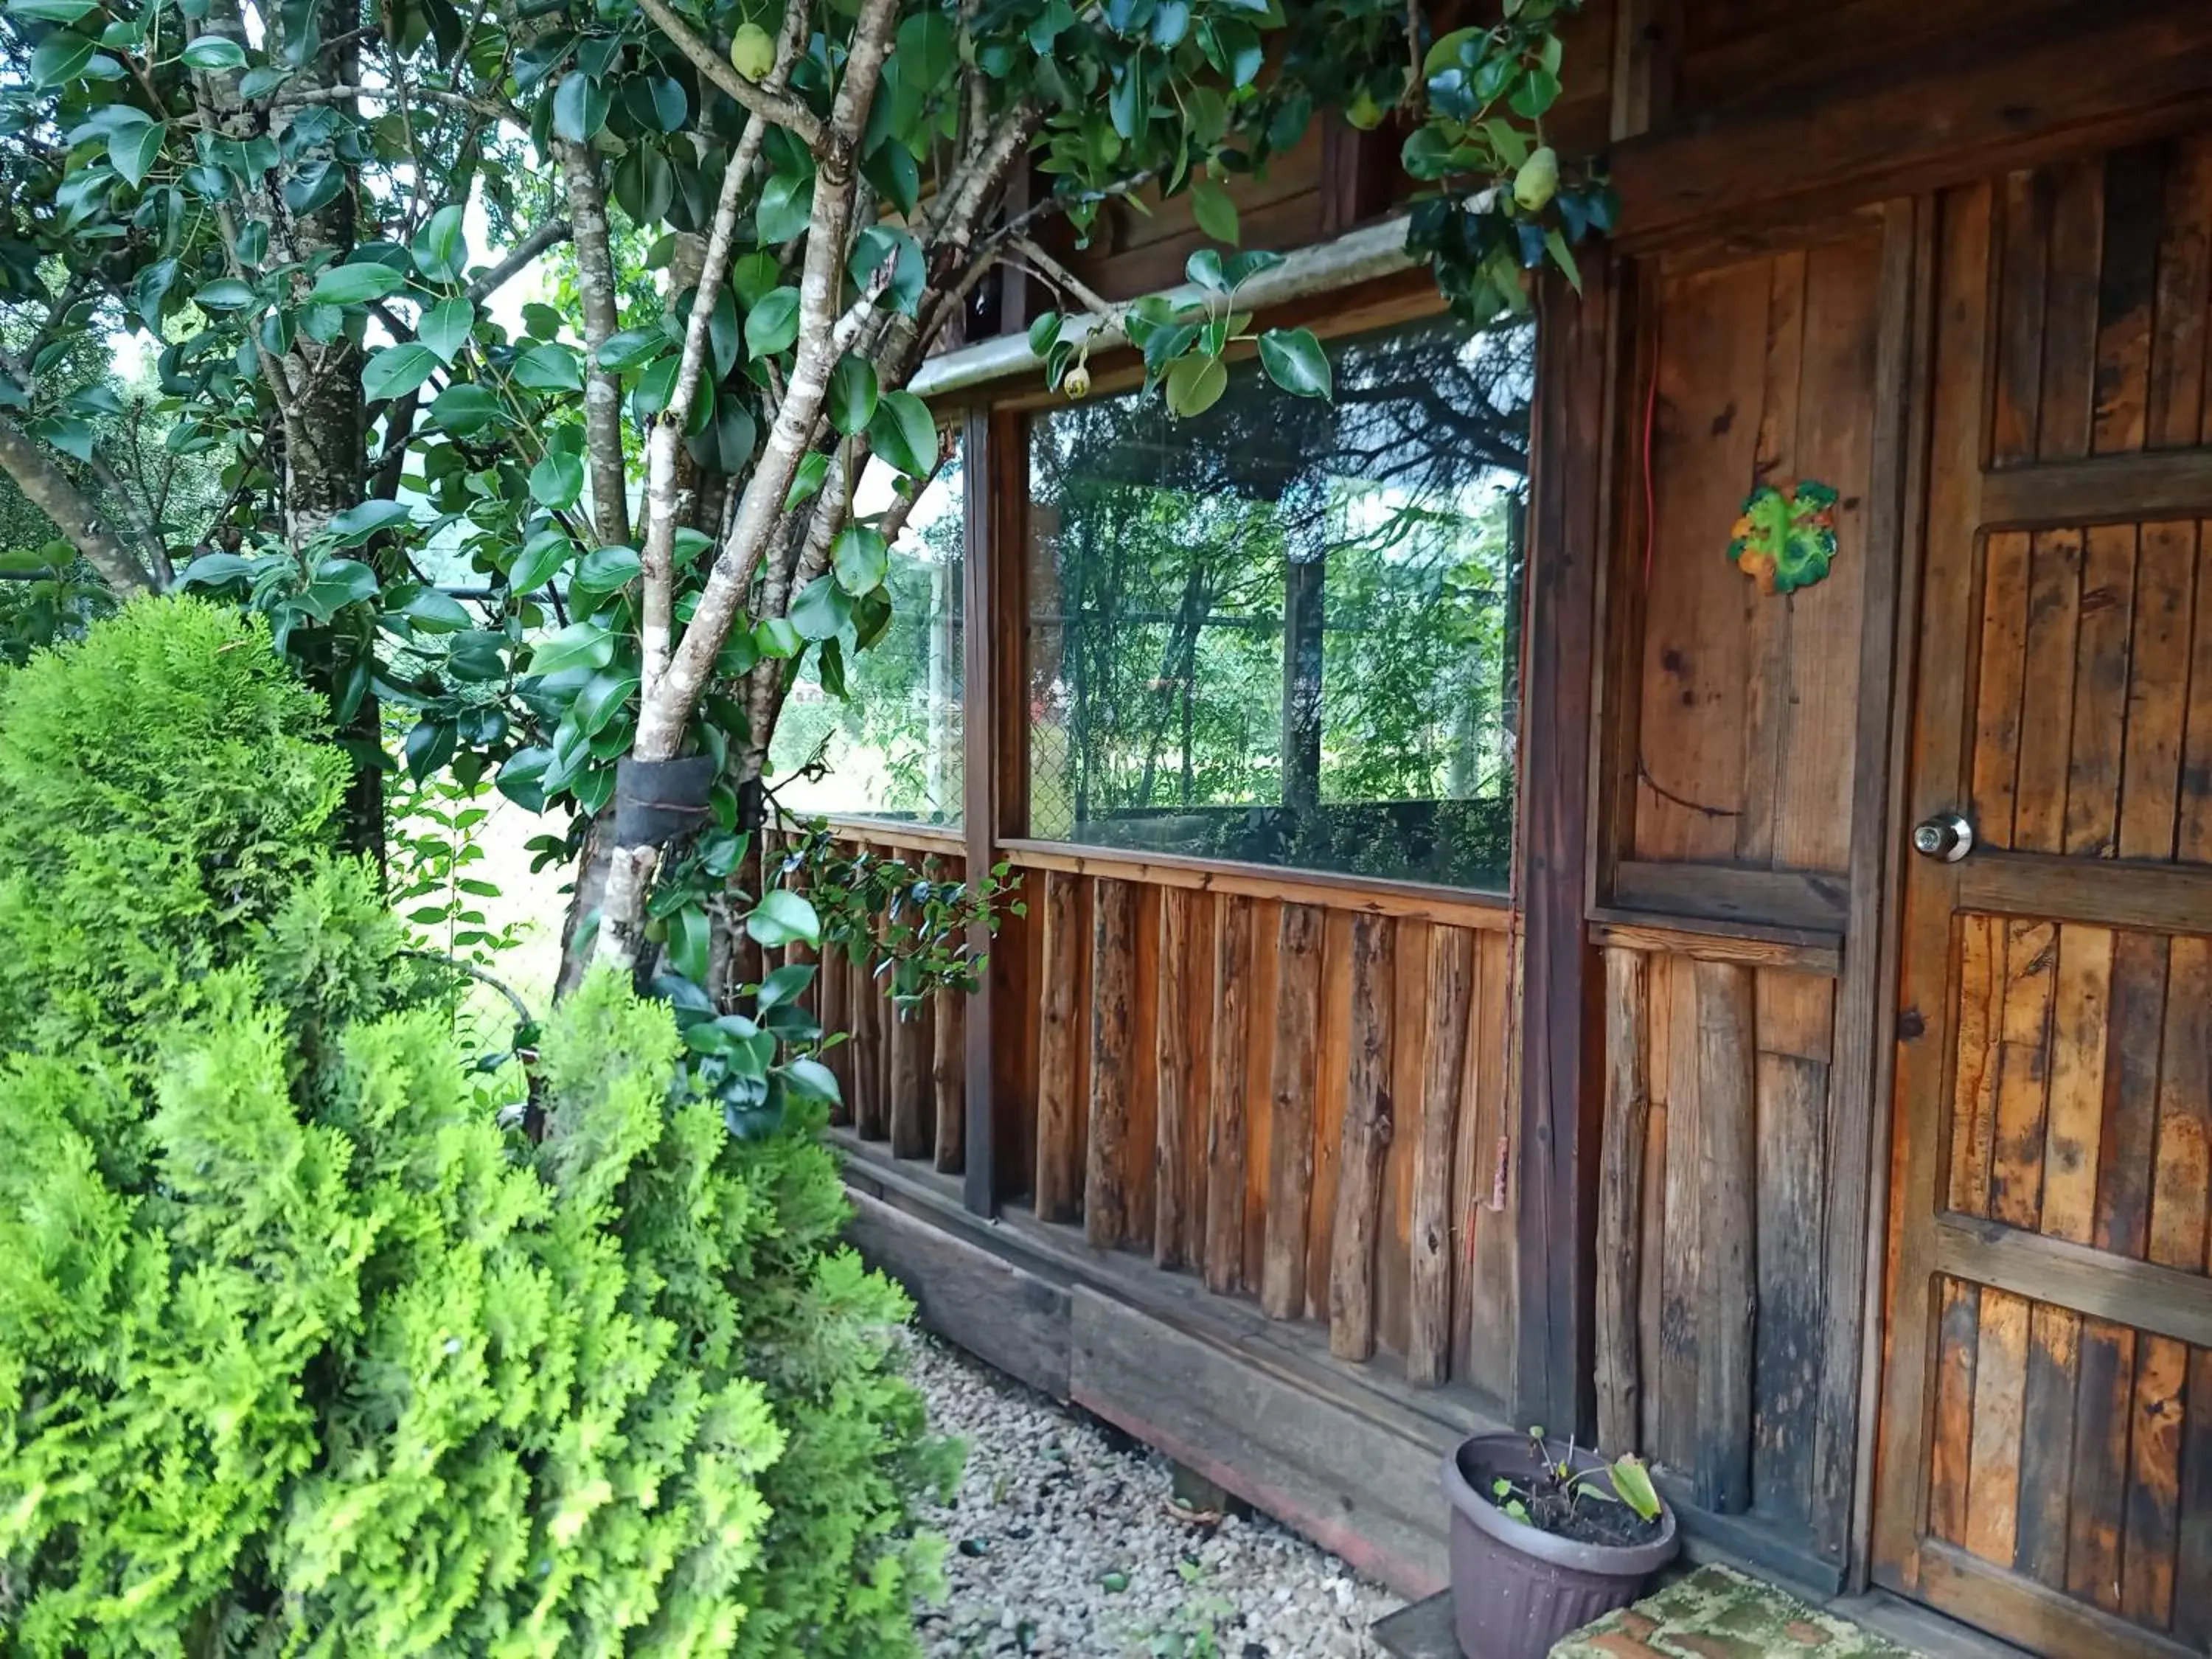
1287, 631
888, 743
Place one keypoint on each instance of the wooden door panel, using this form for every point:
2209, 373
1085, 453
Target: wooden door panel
2045, 1465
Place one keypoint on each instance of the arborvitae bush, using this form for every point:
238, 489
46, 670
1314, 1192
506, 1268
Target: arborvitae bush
300, 1350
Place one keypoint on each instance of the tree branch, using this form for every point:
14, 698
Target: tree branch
769, 105
523, 251
50, 491
595, 282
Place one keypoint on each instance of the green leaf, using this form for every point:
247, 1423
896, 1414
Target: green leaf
860, 557
541, 557
580, 645
1562, 256
782, 917
904, 434
1195, 383
557, 481
429, 747
465, 410
434, 612
356, 524
1215, 212
786, 204
689, 931
397, 370
604, 696
929, 49
851, 394
1203, 268
215, 52
1447, 52
773, 323
356, 284
580, 108
51, 11
549, 368
447, 325
775, 637
633, 346
216, 569
71, 437
821, 609
441, 252
224, 293
753, 276
1044, 331
337, 583
784, 983
810, 1080
1295, 361
605, 570
806, 481
133, 151
1631, 1482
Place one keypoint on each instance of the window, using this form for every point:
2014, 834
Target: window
893, 750
1287, 632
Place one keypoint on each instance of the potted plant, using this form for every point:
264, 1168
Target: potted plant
1545, 1538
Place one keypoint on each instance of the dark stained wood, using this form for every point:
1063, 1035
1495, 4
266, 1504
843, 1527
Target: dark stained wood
871, 1106
1011, 1318
948, 1079
1293, 1086
2193, 1577
1259, 1075
1785, 898
1681, 1301
2166, 1300
1058, 1194
1620, 1199
1428, 1344
913, 1115
1106, 1196
2026, 1612
1368, 1124
1727, 1224
1557, 1115
830, 1009
1225, 1106
1333, 1079
2010, 94
1790, 1347
1179, 1211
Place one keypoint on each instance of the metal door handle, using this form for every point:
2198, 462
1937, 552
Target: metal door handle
1947, 836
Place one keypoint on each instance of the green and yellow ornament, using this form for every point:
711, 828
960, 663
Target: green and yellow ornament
1786, 539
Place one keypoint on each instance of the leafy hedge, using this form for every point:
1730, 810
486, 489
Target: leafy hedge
302, 1350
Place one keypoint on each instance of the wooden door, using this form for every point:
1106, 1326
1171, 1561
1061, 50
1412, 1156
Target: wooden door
2045, 1464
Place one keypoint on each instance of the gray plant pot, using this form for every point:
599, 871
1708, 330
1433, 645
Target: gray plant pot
1516, 1588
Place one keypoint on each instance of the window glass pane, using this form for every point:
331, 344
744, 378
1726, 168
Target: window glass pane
891, 749
1288, 631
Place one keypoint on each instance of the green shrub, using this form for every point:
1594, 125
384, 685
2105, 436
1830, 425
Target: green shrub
302, 1350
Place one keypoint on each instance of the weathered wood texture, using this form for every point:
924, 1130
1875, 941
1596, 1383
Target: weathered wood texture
1303, 1103
2048, 1480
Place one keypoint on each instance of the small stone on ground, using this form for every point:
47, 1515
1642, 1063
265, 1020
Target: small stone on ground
1062, 1542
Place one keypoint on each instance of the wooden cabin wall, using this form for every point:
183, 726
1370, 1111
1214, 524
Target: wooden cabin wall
1294, 1095
1736, 733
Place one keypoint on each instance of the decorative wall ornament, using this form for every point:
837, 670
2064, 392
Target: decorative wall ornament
1786, 539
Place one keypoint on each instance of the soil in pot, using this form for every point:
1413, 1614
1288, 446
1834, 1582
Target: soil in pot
1594, 1520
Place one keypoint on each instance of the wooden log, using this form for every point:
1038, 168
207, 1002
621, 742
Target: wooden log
1620, 1199
1176, 1212
830, 998
1369, 1119
948, 1080
912, 1031
1059, 1189
866, 1004
1290, 1149
1225, 1122
1113, 971
1428, 1345
1727, 1216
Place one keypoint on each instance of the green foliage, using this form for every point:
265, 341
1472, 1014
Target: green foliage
302, 1351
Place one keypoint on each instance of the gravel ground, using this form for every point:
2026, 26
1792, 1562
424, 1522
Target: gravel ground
1062, 1543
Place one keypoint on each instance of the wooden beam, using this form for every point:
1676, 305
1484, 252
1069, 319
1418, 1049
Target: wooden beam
1443, 1100
1452, 905
1226, 1105
1369, 1120
1290, 1142
1793, 899
1178, 1215
1556, 1251
1058, 1193
865, 1002
2166, 1300
1977, 103
2102, 892
1727, 1224
1106, 1196
986, 552
1818, 954
948, 1079
2134, 489
2013, 1605
1621, 1204
912, 1031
